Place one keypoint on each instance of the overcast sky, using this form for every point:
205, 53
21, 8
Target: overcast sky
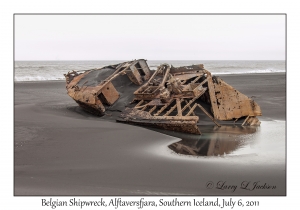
152, 37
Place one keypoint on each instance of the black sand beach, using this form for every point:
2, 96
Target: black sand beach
61, 150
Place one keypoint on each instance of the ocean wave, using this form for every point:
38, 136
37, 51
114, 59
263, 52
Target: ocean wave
258, 71
54, 70
58, 77
38, 78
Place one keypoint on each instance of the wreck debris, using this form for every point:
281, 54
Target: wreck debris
167, 97
93, 90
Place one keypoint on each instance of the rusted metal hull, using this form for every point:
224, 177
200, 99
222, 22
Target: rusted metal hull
185, 124
228, 103
167, 98
93, 90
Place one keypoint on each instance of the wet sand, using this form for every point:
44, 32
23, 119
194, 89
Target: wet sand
61, 150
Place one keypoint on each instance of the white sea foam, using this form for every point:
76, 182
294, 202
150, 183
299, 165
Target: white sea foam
258, 71
54, 70
38, 78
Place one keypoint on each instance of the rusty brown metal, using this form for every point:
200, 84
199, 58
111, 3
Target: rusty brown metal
167, 97
186, 124
93, 89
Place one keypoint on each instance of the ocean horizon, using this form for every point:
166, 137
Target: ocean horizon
41, 70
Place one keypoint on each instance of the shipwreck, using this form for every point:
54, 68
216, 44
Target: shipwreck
168, 97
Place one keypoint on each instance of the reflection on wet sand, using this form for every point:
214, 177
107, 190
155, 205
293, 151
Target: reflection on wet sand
215, 141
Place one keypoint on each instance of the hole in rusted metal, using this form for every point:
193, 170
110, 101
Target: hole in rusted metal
140, 70
103, 99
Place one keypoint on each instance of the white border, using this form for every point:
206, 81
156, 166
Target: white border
8, 8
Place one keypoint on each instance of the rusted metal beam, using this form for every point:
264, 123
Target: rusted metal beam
190, 102
245, 120
213, 100
203, 82
208, 115
172, 109
191, 110
151, 110
166, 74
196, 79
163, 108
144, 107
140, 103
251, 120
178, 104
189, 107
